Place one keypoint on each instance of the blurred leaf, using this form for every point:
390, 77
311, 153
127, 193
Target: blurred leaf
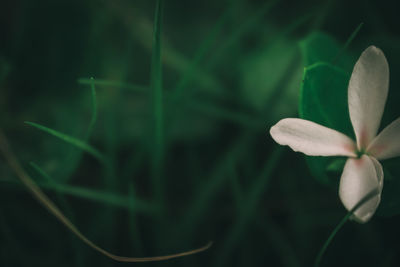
271, 70
336, 165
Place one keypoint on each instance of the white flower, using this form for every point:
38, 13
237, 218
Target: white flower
362, 173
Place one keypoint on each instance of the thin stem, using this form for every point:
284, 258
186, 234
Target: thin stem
330, 238
348, 42
23, 176
321, 253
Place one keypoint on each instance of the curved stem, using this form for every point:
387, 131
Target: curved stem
14, 163
321, 253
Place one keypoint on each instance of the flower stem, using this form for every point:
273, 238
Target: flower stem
321, 253
329, 240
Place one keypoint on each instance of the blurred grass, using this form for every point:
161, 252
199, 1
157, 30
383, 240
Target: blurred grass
157, 128
251, 202
94, 109
69, 139
65, 206
99, 196
178, 122
135, 88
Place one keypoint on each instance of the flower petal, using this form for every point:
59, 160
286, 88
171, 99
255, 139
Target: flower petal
367, 93
387, 143
311, 138
379, 171
361, 177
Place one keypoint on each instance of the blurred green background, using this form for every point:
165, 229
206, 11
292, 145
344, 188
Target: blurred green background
193, 164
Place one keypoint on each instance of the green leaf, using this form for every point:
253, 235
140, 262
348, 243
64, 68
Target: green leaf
323, 99
336, 165
321, 47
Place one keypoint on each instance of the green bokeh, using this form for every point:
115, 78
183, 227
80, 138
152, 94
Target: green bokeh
187, 158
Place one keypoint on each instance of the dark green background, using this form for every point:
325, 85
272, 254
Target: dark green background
231, 69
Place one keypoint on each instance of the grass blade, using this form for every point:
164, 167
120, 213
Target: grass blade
188, 75
90, 194
64, 205
348, 42
157, 127
243, 119
70, 140
212, 187
108, 83
244, 28
237, 117
75, 156
94, 109
251, 202
53, 184
15, 165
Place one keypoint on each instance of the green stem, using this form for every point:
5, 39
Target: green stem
321, 253
330, 238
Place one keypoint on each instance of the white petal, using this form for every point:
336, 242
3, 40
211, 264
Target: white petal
361, 177
378, 169
368, 89
387, 143
312, 139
